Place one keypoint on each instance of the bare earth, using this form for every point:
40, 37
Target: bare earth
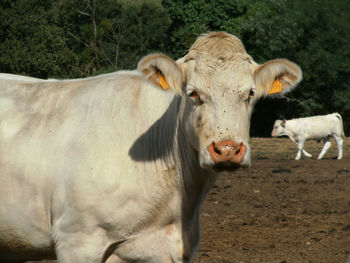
279, 209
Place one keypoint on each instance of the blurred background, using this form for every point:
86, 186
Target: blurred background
79, 38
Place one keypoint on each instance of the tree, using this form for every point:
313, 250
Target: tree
73, 38
32, 42
192, 18
115, 34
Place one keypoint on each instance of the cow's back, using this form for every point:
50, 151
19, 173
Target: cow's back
317, 127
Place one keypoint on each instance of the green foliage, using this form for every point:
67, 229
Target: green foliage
114, 33
192, 18
77, 38
41, 52
72, 38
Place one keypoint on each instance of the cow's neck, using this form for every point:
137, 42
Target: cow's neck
195, 183
178, 179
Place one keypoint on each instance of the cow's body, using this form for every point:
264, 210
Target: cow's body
59, 130
312, 128
112, 168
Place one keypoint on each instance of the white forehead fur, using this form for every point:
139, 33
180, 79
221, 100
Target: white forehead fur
220, 61
232, 75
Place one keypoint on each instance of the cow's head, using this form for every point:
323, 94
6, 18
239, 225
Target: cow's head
279, 128
219, 83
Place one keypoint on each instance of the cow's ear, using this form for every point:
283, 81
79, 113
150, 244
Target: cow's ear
162, 71
277, 76
283, 123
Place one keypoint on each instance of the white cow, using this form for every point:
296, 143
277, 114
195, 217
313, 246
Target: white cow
113, 168
312, 128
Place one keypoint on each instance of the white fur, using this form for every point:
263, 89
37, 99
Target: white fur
312, 128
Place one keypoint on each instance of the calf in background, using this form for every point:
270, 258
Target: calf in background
312, 128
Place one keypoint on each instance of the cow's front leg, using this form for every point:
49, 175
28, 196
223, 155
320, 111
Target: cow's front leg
300, 149
326, 146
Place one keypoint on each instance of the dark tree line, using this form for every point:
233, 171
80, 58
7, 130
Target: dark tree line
78, 38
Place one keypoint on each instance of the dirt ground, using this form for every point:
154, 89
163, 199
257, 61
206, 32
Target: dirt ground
279, 209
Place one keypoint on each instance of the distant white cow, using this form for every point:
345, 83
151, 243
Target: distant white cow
113, 168
312, 128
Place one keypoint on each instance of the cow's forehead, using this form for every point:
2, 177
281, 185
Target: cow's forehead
233, 62
218, 62
233, 75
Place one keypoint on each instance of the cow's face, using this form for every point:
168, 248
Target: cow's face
218, 100
219, 83
279, 128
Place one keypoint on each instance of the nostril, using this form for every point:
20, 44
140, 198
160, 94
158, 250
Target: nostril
216, 149
238, 147
237, 152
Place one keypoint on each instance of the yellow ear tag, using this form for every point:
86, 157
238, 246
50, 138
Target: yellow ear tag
162, 81
276, 87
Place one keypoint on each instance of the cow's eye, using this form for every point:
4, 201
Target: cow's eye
193, 94
251, 94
